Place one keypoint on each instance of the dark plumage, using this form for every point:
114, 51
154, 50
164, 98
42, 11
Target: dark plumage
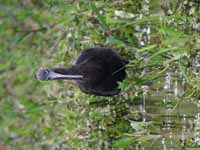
97, 71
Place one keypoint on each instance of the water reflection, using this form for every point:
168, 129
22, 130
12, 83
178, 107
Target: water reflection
159, 118
143, 106
196, 133
179, 117
196, 65
138, 146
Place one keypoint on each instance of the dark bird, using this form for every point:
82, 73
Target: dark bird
97, 71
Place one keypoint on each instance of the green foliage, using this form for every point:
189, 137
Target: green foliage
34, 34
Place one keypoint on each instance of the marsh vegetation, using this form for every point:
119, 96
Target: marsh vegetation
158, 107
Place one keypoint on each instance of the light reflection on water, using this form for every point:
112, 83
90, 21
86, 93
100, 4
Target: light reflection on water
169, 120
177, 118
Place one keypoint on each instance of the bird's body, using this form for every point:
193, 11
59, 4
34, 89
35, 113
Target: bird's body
97, 71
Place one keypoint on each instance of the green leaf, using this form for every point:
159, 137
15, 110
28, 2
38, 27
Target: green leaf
147, 48
125, 142
114, 41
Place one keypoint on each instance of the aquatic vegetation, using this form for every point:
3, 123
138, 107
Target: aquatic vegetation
160, 39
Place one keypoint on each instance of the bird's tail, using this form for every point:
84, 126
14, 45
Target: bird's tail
59, 73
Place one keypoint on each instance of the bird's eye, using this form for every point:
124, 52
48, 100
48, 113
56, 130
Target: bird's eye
42, 74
